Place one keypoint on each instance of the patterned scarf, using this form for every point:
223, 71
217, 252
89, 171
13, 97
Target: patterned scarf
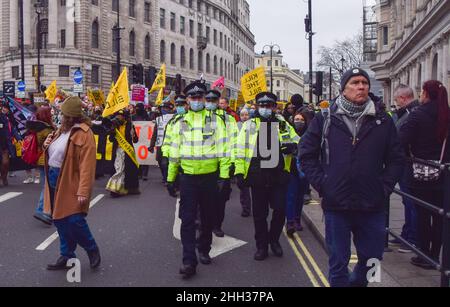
351, 109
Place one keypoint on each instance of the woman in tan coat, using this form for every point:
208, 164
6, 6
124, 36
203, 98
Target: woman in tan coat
70, 158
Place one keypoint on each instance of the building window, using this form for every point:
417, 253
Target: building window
182, 25
172, 55
278, 83
191, 59
172, 22
95, 74
183, 57
147, 12
63, 39
215, 65
132, 45
147, 47
208, 63
64, 71
94, 41
385, 36
34, 73
200, 61
15, 72
162, 18
115, 45
115, 5
191, 28
132, 8
162, 55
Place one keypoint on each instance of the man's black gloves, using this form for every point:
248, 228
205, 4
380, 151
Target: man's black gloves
172, 190
288, 149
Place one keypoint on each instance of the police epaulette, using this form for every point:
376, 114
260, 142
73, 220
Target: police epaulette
175, 119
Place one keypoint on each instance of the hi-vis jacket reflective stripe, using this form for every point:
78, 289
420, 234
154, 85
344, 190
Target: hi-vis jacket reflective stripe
165, 148
248, 136
199, 145
232, 132
161, 123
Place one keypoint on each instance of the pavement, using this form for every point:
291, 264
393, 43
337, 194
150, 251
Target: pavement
396, 270
138, 239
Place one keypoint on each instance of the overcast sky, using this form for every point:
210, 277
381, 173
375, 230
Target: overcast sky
282, 22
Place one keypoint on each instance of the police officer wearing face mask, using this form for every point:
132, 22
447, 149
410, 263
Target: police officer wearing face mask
264, 154
181, 108
199, 156
158, 137
212, 99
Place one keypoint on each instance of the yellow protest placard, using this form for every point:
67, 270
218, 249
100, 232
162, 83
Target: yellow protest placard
160, 97
118, 97
51, 92
253, 83
160, 81
99, 97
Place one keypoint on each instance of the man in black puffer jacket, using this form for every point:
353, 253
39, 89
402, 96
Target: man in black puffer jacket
352, 156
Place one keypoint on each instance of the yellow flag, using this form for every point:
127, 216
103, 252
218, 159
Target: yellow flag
51, 91
118, 97
160, 81
253, 83
160, 97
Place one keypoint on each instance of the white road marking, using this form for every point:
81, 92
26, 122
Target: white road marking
9, 196
43, 246
219, 245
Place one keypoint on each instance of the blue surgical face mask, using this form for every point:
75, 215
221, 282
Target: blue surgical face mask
211, 106
252, 113
181, 110
165, 112
197, 106
265, 112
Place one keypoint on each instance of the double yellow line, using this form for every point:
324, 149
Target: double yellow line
307, 262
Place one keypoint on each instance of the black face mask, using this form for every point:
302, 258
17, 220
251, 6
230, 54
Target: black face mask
299, 126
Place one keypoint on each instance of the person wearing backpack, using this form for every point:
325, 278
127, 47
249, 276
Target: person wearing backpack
425, 135
42, 127
351, 155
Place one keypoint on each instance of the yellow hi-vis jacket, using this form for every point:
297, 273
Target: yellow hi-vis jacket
165, 148
232, 132
199, 146
248, 137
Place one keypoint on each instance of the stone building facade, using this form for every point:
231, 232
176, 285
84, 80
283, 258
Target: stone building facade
79, 34
413, 43
286, 82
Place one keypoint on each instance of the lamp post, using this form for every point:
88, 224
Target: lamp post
343, 61
117, 30
271, 47
38, 6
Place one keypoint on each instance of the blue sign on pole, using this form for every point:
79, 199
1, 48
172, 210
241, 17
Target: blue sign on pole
78, 76
21, 86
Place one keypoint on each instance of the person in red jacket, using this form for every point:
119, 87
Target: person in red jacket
224, 104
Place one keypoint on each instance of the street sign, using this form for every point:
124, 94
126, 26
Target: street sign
78, 77
78, 88
9, 89
21, 86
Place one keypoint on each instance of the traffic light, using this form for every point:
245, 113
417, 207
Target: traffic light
150, 77
318, 86
138, 73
